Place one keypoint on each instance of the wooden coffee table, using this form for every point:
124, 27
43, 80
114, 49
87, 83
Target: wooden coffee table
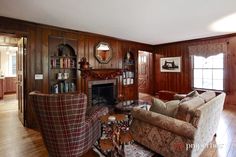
119, 118
116, 134
107, 144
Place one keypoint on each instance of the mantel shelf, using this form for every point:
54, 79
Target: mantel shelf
100, 73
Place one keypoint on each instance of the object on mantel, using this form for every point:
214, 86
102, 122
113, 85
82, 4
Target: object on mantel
83, 63
101, 73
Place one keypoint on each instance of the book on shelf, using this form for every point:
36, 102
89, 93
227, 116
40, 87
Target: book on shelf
63, 63
63, 87
66, 87
72, 87
53, 63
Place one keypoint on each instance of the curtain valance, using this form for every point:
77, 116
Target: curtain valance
206, 50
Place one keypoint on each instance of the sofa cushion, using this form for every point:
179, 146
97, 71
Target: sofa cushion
208, 95
186, 109
169, 108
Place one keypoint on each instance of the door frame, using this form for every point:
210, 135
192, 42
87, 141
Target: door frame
17, 34
151, 70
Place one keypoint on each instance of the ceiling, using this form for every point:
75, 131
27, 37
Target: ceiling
146, 21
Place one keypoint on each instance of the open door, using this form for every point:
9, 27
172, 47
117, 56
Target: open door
20, 77
144, 71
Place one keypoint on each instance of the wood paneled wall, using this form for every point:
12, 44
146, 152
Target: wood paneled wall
37, 54
182, 82
179, 82
37, 59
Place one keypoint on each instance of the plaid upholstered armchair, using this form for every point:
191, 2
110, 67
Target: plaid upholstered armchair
66, 128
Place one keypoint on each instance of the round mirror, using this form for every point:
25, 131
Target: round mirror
103, 52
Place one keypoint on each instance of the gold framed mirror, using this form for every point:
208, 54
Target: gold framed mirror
103, 52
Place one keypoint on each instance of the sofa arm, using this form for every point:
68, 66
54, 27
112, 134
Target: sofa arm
170, 124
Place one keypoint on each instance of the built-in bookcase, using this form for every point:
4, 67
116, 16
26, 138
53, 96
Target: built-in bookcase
128, 69
63, 66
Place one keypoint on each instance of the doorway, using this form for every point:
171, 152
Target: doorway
144, 73
12, 49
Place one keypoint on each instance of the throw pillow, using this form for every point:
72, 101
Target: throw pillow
208, 95
192, 94
169, 108
185, 99
157, 105
172, 107
179, 96
186, 109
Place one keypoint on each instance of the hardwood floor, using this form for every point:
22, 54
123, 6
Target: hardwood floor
226, 135
17, 141
8, 103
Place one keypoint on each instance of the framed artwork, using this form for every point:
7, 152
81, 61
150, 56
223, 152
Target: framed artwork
170, 64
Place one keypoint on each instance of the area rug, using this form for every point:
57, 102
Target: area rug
133, 150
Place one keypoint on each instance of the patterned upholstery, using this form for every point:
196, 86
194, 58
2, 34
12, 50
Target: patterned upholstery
172, 137
66, 130
186, 109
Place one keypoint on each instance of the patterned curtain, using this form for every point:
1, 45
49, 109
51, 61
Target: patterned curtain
206, 50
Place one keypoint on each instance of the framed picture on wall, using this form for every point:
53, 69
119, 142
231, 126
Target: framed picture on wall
170, 64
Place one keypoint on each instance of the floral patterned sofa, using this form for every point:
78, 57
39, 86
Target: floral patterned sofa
187, 134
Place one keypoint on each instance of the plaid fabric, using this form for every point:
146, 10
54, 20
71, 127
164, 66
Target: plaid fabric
66, 130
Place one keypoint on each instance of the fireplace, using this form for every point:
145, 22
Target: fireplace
102, 92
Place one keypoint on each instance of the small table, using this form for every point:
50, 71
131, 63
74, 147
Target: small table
119, 118
116, 134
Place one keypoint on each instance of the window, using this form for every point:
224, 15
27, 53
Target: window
208, 72
13, 65
142, 59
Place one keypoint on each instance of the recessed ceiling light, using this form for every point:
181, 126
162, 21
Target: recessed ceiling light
226, 24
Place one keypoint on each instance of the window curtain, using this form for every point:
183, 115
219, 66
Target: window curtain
207, 50
211, 49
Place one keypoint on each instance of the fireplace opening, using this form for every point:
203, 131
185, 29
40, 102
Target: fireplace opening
103, 94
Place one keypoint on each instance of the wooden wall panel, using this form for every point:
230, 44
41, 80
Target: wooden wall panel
182, 82
178, 82
87, 44
37, 55
231, 72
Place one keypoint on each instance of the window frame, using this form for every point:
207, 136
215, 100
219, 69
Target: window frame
224, 68
12, 64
